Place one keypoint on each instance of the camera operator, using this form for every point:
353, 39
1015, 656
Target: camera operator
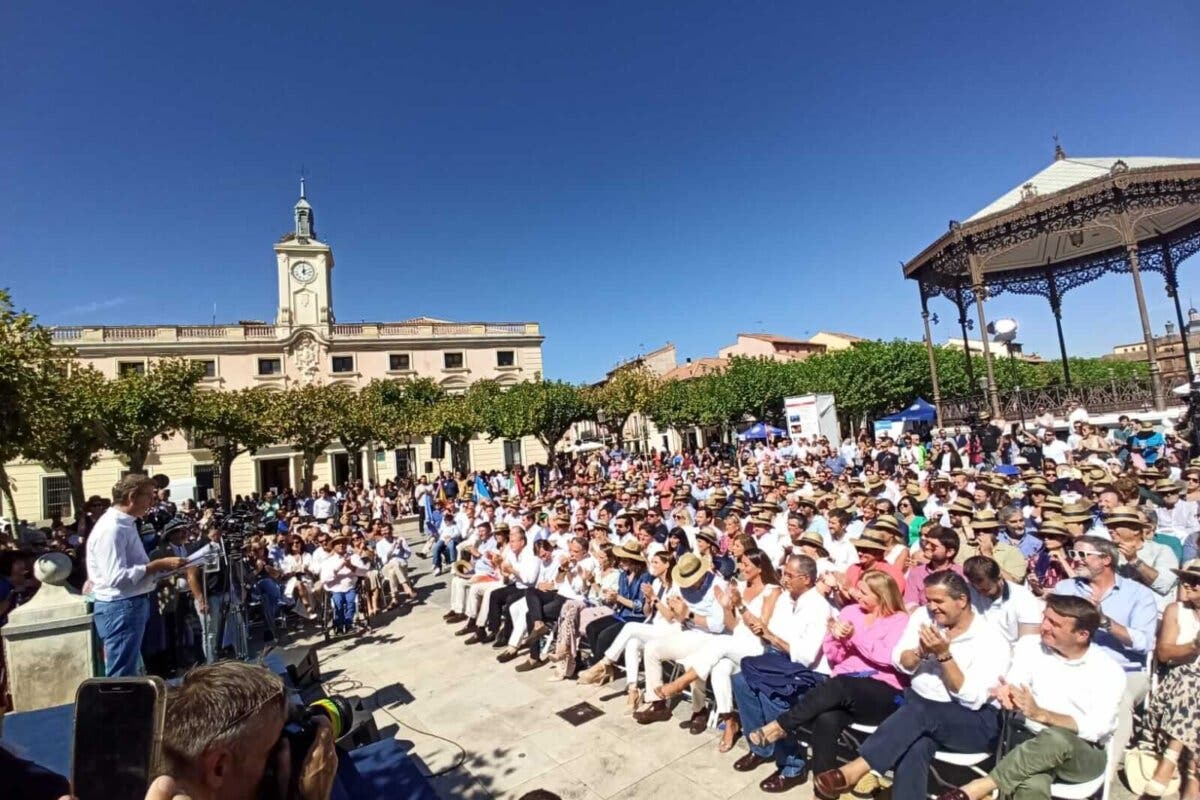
209, 584
224, 738
122, 576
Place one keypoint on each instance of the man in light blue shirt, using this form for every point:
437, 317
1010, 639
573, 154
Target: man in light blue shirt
1128, 617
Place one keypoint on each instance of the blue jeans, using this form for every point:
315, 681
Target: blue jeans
121, 624
210, 622
907, 740
756, 709
450, 548
344, 604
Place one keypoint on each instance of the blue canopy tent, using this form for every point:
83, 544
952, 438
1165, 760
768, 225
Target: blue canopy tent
760, 430
921, 410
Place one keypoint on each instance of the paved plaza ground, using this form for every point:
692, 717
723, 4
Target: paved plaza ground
506, 721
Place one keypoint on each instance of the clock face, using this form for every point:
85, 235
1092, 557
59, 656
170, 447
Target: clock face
303, 271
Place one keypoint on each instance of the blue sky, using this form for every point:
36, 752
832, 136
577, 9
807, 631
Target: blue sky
624, 173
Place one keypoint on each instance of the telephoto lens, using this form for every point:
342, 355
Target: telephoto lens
301, 727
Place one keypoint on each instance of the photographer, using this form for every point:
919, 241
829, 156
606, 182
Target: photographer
224, 738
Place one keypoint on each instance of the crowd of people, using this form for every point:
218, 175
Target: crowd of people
948, 590
917, 595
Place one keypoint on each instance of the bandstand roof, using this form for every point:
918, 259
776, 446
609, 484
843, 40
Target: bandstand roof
1064, 227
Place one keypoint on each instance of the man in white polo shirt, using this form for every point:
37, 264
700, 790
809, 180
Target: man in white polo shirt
1066, 692
122, 576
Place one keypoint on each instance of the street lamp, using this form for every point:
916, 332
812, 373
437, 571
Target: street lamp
1004, 331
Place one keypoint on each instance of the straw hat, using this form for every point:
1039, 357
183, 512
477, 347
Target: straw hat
709, 535
629, 552
985, 521
690, 570
870, 541
1190, 568
887, 522
961, 506
1124, 516
1140, 766
1076, 513
1166, 486
1054, 503
813, 539
1053, 527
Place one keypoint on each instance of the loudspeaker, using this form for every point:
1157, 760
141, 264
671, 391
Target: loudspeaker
298, 666
438, 447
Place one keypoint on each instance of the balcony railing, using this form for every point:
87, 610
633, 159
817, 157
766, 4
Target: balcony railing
83, 335
1116, 396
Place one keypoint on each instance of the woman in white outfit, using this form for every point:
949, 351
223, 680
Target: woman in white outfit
750, 602
296, 567
634, 635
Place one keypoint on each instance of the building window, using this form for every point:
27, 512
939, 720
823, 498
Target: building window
505, 358
127, 368
343, 363
270, 366
399, 362
512, 453
210, 366
56, 496
453, 360
206, 477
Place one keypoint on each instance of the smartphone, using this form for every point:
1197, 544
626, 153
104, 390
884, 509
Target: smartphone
117, 740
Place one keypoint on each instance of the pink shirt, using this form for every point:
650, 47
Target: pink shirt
869, 648
915, 593
855, 572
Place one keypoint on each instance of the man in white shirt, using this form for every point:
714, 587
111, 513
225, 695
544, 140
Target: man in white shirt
323, 507
1067, 693
1010, 607
121, 575
1054, 448
793, 637
1175, 517
393, 554
339, 576
518, 569
449, 535
955, 658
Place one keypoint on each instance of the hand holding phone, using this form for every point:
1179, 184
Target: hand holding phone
117, 738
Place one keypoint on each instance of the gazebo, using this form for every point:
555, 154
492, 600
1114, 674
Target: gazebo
1068, 225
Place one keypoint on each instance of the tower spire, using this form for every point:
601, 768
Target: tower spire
306, 227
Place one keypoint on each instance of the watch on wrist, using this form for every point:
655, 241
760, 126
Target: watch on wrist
945, 658
1105, 623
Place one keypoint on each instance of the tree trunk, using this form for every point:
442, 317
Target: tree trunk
310, 462
78, 499
10, 505
137, 460
225, 489
621, 433
352, 462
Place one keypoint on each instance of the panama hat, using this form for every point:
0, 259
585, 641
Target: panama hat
690, 570
462, 569
1166, 486
1053, 527
1124, 516
813, 539
1140, 766
709, 535
985, 521
887, 522
630, 552
1189, 568
870, 541
1076, 513
961, 506
1053, 503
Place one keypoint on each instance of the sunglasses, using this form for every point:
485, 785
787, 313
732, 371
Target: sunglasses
1080, 555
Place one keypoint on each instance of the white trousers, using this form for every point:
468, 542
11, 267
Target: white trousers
718, 660
477, 600
518, 612
630, 641
458, 594
674, 646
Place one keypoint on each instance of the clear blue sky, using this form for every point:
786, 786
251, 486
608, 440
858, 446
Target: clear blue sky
624, 173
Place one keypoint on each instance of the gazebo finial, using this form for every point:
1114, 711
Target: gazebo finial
1059, 154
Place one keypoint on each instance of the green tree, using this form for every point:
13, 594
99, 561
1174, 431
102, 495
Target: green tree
229, 424
25, 348
543, 409
360, 421
149, 406
629, 390
404, 408
306, 418
66, 414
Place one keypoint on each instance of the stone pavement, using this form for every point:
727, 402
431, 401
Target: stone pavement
431, 685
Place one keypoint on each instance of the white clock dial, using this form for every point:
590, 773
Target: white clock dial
303, 271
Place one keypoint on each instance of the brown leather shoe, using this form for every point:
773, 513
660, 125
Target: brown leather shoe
658, 711
776, 783
469, 628
697, 723
508, 654
530, 665
749, 762
830, 784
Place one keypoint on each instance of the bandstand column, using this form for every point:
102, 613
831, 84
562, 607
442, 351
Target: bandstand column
1173, 293
933, 373
1056, 307
1156, 387
979, 289
962, 322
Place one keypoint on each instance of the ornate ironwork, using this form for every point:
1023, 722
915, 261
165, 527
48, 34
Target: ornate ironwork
1129, 396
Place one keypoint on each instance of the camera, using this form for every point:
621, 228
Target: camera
301, 727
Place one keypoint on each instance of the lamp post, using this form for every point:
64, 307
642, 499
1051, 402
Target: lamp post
1004, 332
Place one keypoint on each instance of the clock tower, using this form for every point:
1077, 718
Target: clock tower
304, 268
